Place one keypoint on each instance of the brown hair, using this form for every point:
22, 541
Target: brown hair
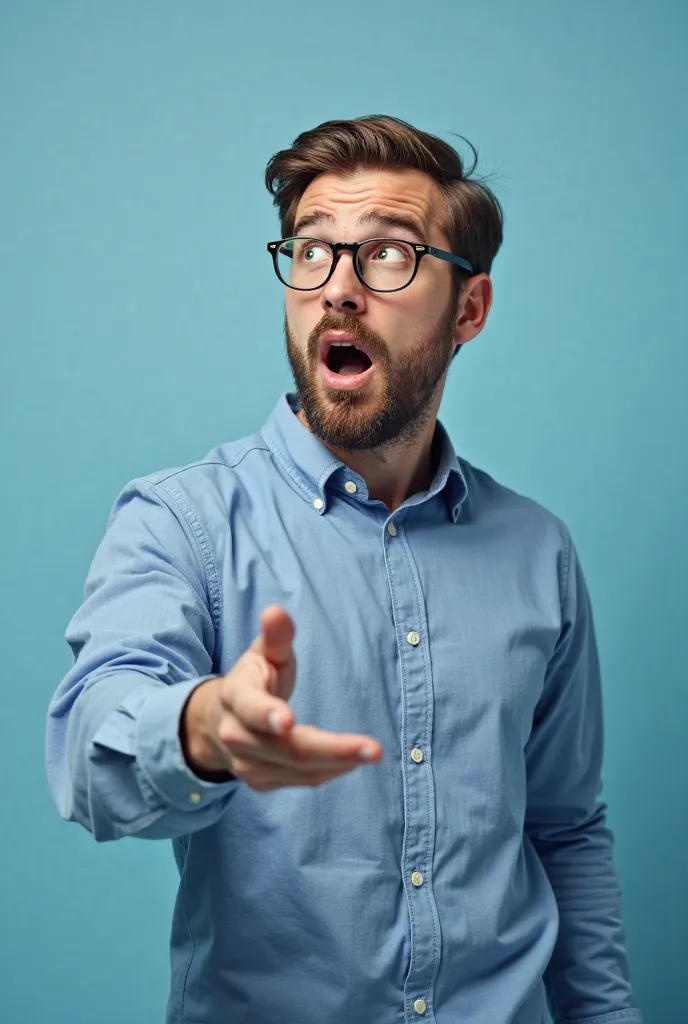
474, 217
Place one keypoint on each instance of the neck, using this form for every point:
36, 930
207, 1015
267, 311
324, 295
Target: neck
396, 472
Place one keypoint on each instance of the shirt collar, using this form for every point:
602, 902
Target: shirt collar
314, 469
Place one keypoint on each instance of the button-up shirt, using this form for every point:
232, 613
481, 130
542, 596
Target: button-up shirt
466, 877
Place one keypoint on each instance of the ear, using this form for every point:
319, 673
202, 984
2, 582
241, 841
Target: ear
474, 305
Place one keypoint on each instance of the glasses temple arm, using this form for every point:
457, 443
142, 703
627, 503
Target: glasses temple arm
451, 258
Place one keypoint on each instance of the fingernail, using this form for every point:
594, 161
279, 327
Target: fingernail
367, 753
275, 722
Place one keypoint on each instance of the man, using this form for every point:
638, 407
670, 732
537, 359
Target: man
351, 676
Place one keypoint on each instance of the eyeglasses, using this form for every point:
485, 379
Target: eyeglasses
381, 264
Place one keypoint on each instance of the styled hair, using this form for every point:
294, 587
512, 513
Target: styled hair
473, 218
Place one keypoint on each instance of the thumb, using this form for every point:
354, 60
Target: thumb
276, 636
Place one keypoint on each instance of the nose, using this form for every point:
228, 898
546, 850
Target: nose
344, 293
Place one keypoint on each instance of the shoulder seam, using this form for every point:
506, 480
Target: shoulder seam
253, 445
567, 563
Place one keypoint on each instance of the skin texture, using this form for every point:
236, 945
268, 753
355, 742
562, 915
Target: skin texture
384, 429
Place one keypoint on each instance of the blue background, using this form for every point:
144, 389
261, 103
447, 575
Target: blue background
141, 324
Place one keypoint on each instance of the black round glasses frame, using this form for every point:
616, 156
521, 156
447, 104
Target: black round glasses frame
353, 247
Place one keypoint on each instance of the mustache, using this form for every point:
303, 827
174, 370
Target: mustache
353, 326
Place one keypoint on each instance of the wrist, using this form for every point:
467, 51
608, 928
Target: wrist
199, 752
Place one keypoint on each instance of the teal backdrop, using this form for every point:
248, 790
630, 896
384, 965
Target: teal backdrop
141, 324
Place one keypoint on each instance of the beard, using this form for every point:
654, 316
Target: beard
392, 407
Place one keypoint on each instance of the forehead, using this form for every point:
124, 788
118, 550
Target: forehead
347, 197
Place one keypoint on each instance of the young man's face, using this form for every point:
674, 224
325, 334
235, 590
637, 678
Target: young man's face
408, 334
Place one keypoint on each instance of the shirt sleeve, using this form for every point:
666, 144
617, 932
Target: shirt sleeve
587, 978
142, 641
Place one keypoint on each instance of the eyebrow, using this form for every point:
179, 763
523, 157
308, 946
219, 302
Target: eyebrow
392, 221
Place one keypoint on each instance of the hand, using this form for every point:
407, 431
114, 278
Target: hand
227, 724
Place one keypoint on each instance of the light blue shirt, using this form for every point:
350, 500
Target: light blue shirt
465, 878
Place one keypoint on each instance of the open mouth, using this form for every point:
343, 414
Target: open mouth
345, 359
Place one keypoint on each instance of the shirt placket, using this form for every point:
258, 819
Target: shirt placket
419, 801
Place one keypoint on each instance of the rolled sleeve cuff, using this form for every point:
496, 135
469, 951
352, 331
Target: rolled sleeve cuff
160, 755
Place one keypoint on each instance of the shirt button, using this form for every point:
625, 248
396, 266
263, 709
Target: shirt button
391, 529
419, 1006
417, 878
417, 755
413, 638
350, 486
318, 503
194, 798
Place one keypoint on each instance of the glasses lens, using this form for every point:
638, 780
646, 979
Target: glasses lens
304, 262
386, 263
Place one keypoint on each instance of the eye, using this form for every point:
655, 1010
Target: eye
390, 254
313, 253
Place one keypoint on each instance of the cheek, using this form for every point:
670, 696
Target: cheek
416, 317
429, 293
434, 285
